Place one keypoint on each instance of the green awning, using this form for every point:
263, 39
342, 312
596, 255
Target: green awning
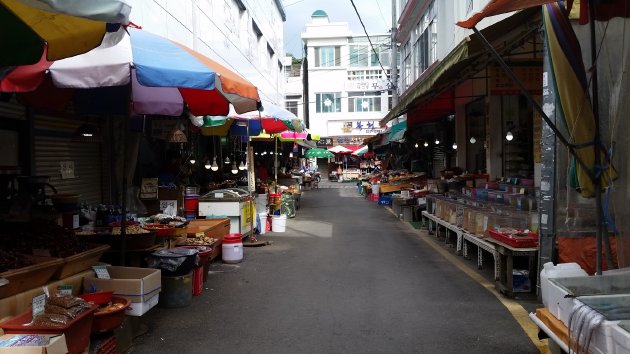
396, 133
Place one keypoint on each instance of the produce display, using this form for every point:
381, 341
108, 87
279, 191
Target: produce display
110, 307
41, 237
164, 219
11, 260
61, 309
130, 230
197, 241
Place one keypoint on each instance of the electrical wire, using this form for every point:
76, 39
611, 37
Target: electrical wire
381, 12
370, 40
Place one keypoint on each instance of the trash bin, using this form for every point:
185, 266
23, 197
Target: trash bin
174, 261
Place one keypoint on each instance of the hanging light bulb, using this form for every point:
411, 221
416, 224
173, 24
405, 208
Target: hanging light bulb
509, 136
280, 154
426, 144
207, 165
255, 153
241, 166
473, 140
290, 154
192, 161
227, 160
437, 141
234, 169
454, 146
416, 145
214, 166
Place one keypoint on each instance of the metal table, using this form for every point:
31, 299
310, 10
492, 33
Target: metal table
483, 245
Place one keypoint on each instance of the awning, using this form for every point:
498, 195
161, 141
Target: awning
466, 60
396, 133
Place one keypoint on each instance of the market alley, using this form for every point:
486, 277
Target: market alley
345, 277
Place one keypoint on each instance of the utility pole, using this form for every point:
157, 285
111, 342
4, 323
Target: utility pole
394, 62
305, 86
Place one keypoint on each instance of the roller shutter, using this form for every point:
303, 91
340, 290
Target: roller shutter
53, 137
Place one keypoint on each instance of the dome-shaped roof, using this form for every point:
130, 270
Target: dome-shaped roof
319, 13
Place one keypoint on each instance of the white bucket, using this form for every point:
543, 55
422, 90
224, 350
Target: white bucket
263, 222
279, 223
376, 188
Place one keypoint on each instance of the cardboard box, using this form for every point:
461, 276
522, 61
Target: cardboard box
140, 308
136, 284
56, 344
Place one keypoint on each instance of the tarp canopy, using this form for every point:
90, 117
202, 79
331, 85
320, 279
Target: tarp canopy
396, 133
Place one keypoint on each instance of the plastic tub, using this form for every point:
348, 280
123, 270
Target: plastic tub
109, 321
98, 298
279, 223
77, 331
263, 223
232, 248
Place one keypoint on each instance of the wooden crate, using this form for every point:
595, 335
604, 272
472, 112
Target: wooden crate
31, 276
80, 261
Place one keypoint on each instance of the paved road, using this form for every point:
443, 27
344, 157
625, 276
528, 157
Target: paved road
346, 277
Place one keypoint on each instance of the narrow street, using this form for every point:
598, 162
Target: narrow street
346, 277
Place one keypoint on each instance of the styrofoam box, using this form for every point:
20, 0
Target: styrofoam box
562, 270
621, 338
140, 308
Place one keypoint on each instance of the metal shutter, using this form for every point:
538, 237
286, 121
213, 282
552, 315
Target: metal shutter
54, 143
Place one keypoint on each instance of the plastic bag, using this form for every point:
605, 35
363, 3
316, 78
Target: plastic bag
171, 259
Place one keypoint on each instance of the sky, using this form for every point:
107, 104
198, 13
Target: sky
376, 15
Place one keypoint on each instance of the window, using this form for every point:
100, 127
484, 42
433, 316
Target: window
292, 106
363, 75
425, 46
328, 102
364, 102
362, 54
406, 68
327, 56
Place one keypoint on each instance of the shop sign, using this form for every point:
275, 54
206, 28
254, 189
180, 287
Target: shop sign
323, 142
372, 85
363, 126
502, 85
348, 140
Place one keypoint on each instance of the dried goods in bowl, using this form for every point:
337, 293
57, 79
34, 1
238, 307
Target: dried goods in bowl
160, 229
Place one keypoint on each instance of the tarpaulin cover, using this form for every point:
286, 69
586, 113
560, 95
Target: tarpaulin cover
582, 250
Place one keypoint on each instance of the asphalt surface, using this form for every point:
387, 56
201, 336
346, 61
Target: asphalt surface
345, 277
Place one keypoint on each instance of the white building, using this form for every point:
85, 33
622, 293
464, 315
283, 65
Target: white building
348, 81
244, 35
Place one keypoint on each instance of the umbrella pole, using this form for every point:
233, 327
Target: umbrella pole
252, 237
123, 220
275, 161
602, 233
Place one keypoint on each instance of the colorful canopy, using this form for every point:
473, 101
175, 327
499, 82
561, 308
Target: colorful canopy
575, 104
161, 84
338, 149
275, 119
64, 28
360, 151
318, 152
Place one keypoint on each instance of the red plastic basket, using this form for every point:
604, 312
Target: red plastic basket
77, 331
529, 239
109, 321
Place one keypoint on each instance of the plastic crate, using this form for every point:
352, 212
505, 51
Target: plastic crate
529, 239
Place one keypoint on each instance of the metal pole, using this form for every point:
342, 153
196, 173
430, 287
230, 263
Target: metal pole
394, 58
252, 238
533, 102
602, 234
305, 98
123, 220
